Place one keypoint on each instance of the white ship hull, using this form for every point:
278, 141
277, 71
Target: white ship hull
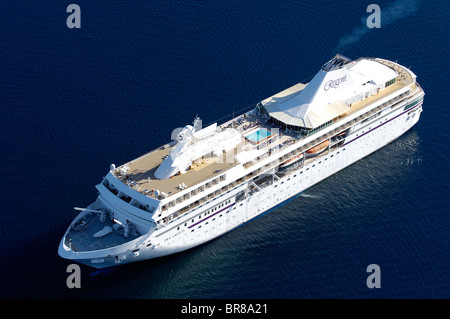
195, 228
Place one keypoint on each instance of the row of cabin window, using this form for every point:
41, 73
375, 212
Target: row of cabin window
209, 212
211, 195
195, 191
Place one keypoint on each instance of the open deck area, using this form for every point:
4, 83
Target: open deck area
371, 99
141, 173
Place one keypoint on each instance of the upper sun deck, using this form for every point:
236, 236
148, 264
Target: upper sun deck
140, 173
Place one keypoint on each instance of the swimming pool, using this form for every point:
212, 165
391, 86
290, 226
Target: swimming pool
258, 135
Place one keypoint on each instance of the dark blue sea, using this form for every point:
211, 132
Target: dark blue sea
73, 101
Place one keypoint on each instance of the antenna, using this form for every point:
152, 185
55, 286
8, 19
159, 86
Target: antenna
197, 124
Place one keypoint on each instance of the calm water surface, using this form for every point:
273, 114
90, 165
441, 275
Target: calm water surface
75, 101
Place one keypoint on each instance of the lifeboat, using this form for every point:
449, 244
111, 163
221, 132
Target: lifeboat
318, 148
340, 134
290, 164
291, 160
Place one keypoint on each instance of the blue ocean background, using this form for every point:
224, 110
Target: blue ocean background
73, 101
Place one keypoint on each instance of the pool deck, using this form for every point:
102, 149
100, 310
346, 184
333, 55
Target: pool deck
257, 138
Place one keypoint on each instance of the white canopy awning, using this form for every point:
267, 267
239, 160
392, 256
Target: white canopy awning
322, 99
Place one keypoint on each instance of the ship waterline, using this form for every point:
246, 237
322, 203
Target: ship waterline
211, 180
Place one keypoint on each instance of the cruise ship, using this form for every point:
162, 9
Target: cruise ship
209, 180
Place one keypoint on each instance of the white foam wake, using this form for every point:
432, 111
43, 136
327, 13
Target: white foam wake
389, 14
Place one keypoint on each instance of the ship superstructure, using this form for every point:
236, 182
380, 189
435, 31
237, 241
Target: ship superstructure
210, 180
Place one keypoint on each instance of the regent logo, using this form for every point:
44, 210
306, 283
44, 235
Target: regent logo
334, 84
